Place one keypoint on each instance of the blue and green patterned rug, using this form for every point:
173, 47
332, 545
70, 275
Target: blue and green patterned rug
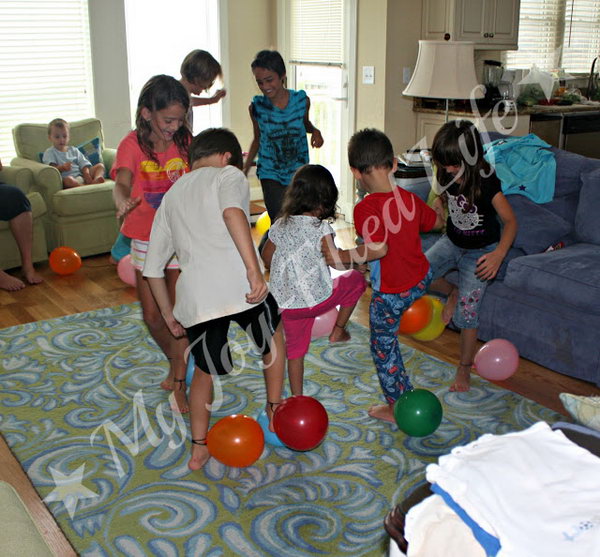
81, 408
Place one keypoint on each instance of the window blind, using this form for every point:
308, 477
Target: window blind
318, 31
45, 64
557, 34
581, 40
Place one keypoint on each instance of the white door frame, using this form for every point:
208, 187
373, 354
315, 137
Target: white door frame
348, 116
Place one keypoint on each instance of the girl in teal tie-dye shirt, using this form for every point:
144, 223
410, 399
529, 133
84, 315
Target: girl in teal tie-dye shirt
280, 121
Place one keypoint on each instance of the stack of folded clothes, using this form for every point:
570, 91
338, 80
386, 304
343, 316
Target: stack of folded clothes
523, 494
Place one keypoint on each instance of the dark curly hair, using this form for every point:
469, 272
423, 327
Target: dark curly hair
160, 92
312, 189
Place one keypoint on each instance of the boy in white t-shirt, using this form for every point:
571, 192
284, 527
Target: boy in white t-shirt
204, 219
75, 169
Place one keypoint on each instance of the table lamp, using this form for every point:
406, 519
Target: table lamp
445, 70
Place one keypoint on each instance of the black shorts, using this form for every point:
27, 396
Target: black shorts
208, 340
13, 202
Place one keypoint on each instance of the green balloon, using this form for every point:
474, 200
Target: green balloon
418, 413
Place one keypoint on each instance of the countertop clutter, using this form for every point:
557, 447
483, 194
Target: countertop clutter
521, 110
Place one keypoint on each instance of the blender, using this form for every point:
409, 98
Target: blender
492, 74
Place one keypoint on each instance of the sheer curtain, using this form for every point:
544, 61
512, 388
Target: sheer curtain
160, 34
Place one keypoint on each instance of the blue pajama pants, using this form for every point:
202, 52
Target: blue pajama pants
385, 312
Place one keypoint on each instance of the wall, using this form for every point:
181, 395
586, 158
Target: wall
109, 62
251, 26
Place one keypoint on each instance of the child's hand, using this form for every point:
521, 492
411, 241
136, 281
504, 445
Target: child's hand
488, 265
175, 326
127, 205
316, 139
258, 287
218, 95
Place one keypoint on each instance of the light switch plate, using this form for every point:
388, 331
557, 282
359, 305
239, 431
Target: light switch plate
406, 75
368, 75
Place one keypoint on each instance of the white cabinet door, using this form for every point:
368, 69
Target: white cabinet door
490, 24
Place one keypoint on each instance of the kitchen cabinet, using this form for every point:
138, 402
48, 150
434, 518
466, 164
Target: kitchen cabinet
490, 24
429, 123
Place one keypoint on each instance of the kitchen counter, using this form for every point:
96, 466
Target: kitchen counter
521, 110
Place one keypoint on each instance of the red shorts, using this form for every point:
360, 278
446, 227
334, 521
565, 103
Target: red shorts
298, 323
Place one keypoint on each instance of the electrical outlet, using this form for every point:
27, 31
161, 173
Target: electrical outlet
368, 75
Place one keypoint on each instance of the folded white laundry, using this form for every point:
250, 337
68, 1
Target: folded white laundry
535, 490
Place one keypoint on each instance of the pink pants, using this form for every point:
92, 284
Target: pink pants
298, 323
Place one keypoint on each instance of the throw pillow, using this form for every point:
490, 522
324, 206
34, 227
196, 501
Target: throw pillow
539, 228
584, 409
586, 218
89, 149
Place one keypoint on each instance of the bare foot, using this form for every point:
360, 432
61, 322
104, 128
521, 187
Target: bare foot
99, 180
339, 334
167, 384
178, 398
10, 283
31, 276
200, 456
383, 412
450, 306
462, 381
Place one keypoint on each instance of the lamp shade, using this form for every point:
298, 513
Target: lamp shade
444, 70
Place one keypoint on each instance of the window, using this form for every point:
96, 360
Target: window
45, 63
557, 34
153, 50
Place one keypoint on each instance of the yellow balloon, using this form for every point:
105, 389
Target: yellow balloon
263, 223
436, 326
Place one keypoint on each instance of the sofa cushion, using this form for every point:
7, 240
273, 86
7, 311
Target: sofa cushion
587, 226
569, 276
92, 198
538, 228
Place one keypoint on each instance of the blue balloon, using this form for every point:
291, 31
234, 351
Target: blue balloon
270, 436
189, 374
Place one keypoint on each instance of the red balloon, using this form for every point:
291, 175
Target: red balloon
236, 440
417, 316
64, 260
300, 422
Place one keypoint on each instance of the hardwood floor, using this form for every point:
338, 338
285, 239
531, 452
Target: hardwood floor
96, 285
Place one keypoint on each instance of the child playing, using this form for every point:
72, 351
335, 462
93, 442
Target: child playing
148, 161
280, 122
300, 278
389, 219
473, 242
72, 164
204, 219
198, 73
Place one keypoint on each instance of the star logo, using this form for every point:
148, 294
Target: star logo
69, 489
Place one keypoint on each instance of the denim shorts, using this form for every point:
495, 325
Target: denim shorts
444, 256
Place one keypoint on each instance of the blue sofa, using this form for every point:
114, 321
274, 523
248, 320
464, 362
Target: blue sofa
547, 303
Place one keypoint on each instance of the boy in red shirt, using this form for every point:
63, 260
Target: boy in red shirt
389, 220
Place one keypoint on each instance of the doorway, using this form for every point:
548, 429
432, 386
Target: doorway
318, 45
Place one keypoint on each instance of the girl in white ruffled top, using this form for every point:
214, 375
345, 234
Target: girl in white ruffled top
300, 279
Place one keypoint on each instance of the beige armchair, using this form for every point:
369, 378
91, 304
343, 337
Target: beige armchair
82, 218
9, 252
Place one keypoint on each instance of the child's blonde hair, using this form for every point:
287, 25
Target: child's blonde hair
58, 123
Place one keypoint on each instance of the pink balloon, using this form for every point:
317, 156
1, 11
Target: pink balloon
497, 360
324, 323
126, 270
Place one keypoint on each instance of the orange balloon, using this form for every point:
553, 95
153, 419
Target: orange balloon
64, 260
417, 316
236, 440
